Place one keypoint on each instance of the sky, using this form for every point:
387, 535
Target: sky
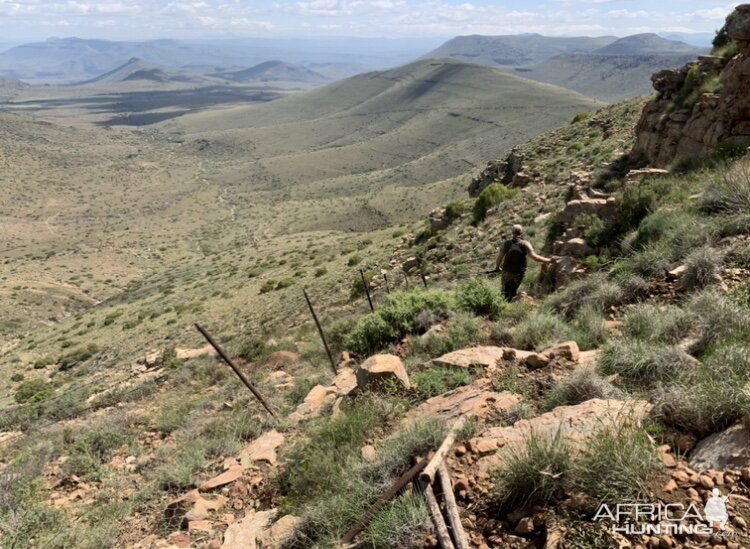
25, 20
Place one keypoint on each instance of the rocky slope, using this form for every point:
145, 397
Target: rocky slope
702, 108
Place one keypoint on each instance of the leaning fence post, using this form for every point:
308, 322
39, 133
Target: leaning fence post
249, 384
320, 331
387, 286
367, 290
421, 274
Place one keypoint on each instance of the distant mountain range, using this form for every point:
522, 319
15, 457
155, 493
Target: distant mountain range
139, 70
605, 68
515, 50
274, 71
75, 59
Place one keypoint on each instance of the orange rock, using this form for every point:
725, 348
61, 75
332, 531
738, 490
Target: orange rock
227, 477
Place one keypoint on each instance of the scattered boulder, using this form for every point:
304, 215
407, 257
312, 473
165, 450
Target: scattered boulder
187, 354
227, 477
728, 449
600, 207
318, 397
282, 359
537, 361
576, 247
410, 264
191, 507
520, 180
486, 356
635, 175
244, 533
345, 381
262, 448
477, 400
567, 350
438, 220
382, 368
280, 533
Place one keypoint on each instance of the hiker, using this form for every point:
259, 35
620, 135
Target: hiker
512, 261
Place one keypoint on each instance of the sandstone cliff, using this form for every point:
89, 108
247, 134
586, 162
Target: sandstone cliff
703, 107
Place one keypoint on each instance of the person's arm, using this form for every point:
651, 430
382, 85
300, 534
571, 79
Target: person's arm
536, 257
500, 256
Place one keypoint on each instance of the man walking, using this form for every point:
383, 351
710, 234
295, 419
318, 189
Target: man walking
512, 261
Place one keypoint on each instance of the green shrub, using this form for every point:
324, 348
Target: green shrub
94, 447
354, 260
454, 210
321, 271
438, 380
462, 331
76, 357
511, 381
16, 377
370, 334
581, 117
402, 309
534, 472
33, 390
616, 463
589, 330
480, 297
643, 364
252, 349
493, 195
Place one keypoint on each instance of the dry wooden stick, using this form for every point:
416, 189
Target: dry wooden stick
444, 538
451, 509
428, 474
405, 479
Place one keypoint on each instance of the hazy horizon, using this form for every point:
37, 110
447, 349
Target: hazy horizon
37, 20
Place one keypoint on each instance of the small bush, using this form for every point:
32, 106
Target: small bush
252, 349
438, 380
643, 364
480, 297
402, 524
493, 195
511, 381
33, 390
402, 309
540, 329
594, 292
654, 324
321, 271
589, 330
354, 260
717, 316
730, 193
454, 210
534, 473
701, 406
582, 385
462, 331
76, 357
703, 266
616, 463
370, 334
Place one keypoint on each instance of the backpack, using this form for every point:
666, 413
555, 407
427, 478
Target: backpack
514, 260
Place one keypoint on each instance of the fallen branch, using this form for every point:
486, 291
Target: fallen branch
428, 475
405, 479
451, 508
444, 538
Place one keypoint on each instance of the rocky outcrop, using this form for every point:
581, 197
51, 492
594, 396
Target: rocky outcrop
577, 424
507, 172
382, 368
730, 448
693, 117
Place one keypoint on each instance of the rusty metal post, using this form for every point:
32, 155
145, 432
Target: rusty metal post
249, 384
320, 331
367, 290
387, 286
421, 273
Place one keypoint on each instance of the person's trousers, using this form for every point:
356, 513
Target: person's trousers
511, 283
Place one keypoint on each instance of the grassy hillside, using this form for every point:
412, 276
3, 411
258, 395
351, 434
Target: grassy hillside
608, 77
95, 446
275, 71
359, 147
647, 44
